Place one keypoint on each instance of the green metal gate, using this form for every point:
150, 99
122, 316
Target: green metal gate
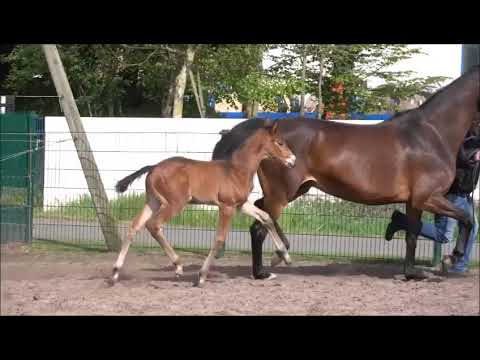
21, 173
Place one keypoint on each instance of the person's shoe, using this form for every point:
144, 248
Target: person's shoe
399, 222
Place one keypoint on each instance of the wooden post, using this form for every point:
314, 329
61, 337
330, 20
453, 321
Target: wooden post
84, 152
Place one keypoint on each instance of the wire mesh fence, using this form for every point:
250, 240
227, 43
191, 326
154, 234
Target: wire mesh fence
316, 223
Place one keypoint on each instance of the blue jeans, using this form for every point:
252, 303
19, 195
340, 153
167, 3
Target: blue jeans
443, 229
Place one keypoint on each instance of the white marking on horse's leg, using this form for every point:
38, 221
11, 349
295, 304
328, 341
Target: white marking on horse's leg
250, 209
135, 226
271, 276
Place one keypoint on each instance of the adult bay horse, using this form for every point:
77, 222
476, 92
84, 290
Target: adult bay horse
409, 160
177, 181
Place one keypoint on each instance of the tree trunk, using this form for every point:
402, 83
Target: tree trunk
250, 108
302, 97
200, 94
196, 93
89, 107
168, 100
111, 109
181, 83
320, 83
120, 108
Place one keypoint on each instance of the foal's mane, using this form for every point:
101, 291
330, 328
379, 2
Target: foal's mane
236, 137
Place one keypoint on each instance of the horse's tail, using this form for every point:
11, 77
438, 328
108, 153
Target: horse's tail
123, 184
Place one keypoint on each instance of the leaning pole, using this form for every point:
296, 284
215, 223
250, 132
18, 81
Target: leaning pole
470, 57
84, 152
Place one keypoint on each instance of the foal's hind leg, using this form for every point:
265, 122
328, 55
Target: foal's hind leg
134, 227
155, 227
225, 215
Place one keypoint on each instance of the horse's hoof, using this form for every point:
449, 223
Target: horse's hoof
263, 276
271, 277
220, 253
416, 274
447, 263
287, 259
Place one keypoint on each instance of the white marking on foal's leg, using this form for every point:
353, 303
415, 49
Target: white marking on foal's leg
250, 209
174, 258
136, 225
275, 260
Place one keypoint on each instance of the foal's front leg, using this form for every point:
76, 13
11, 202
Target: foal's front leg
225, 215
250, 209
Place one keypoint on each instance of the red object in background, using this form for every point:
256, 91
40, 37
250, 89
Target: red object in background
337, 109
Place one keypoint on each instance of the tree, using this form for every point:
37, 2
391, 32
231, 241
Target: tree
338, 74
103, 77
234, 73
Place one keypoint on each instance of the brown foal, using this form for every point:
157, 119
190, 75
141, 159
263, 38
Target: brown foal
176, 182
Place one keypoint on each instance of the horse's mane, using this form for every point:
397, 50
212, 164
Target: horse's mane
441, 91
237, 136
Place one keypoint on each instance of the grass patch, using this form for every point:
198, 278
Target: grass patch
61, 246
310, 215
304, 216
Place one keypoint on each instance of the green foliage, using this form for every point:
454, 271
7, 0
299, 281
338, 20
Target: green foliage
353, 65
110, 80
304, 216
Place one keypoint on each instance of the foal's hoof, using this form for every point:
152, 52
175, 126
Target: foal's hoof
200, 283
278, 257
275, 260
179, 271
287, 259
115, 276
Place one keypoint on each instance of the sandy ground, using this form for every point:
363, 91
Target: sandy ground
75, 283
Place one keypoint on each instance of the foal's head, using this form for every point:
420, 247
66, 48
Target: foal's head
275, 147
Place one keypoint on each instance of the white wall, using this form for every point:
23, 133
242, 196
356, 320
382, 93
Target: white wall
123, 145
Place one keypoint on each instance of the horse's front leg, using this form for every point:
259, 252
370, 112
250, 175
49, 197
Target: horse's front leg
414, 227
225, 215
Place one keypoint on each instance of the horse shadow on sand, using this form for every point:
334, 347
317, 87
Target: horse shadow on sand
224, 272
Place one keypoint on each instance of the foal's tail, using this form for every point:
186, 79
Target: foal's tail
123, 184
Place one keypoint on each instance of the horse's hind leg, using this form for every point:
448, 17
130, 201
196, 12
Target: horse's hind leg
155, 227
439, 205
134, 227
225, 215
